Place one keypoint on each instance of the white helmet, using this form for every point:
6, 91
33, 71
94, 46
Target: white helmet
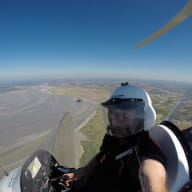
133, 93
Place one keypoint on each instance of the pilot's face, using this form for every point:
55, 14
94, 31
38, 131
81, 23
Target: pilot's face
123, 121
122, 117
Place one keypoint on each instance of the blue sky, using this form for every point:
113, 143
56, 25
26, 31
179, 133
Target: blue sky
93, 38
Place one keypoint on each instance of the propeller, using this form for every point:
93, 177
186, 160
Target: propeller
181, 16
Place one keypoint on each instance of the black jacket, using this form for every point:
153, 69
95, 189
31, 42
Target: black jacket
116, 166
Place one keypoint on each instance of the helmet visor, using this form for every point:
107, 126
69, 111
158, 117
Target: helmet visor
125, 118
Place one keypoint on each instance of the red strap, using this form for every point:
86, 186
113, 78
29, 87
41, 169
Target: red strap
103, 157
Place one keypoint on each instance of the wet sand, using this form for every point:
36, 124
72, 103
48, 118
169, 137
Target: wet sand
28, 113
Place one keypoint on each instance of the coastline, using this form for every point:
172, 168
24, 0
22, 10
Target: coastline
78, 137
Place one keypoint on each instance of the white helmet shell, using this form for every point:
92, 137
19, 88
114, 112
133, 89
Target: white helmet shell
127, 91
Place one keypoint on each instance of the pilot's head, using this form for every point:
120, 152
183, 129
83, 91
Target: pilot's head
130, 111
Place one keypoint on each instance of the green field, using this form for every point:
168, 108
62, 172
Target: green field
94, 131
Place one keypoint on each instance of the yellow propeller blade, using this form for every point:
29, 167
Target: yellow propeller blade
181, 16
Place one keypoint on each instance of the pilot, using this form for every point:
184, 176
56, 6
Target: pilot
128, 160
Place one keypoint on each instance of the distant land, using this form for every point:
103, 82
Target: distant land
171, 100
164, 94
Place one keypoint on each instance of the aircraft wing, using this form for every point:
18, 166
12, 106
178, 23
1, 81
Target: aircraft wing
181, 16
